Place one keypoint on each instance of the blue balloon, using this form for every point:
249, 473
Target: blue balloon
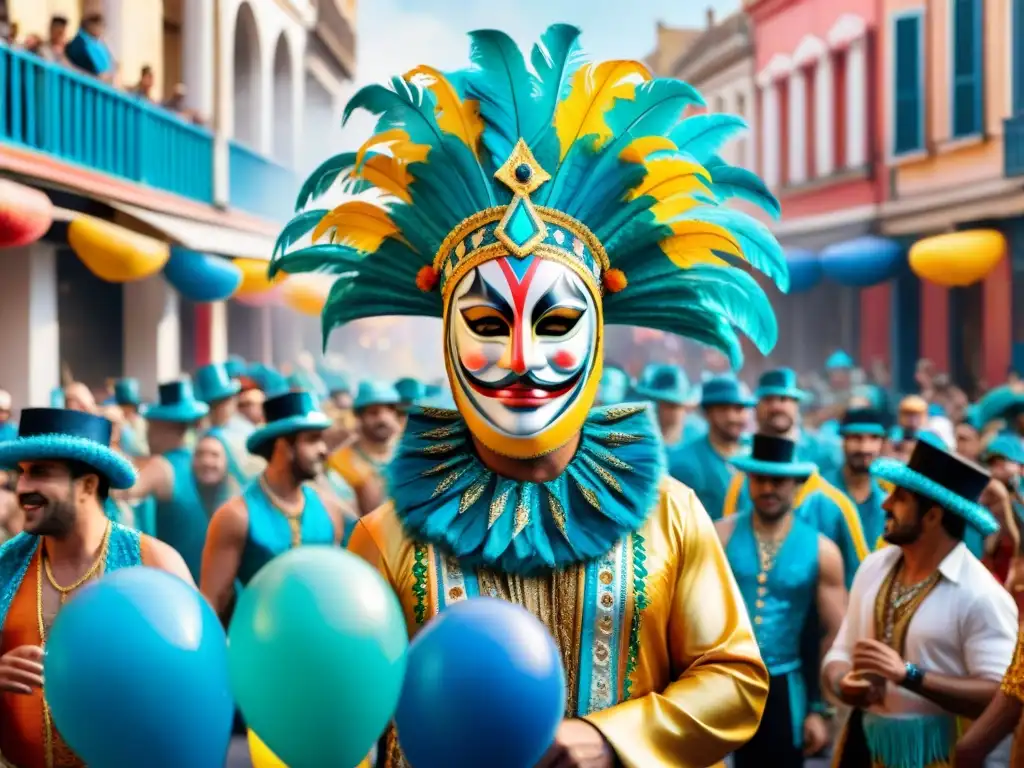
804, 269
484, 686
200, 277
136, 674
863, 261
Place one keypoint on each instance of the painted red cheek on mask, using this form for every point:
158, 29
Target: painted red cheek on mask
474, 360
563, 358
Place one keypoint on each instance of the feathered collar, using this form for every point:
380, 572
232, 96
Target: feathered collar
445, 496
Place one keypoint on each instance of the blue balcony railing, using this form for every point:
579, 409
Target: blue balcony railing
73, 117
1013, 145
258, 185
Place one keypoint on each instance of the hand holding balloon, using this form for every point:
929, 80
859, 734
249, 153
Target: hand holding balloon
484, 686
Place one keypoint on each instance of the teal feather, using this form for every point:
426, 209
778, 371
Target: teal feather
701, 136
328, 258
567, 179
556, 59
297, 228
505, 89
325, 176
733, 182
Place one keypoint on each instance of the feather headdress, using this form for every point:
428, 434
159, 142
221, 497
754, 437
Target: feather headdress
591, 161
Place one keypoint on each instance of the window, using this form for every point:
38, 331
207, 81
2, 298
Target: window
908, 111
967, 67
1018, 56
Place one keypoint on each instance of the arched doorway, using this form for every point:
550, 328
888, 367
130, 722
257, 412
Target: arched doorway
247, 92
284, 104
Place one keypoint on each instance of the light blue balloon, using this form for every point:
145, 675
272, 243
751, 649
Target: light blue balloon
317, 648
136, 674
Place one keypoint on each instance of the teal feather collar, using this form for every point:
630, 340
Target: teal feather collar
445, 496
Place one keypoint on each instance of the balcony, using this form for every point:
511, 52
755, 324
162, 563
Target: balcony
1013, 145
79, 120
258, 185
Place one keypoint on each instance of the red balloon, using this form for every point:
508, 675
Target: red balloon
25, 214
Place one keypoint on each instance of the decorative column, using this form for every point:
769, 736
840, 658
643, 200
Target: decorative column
857, 112
797, 126
770, 167
197, 60
824, 116
152, 332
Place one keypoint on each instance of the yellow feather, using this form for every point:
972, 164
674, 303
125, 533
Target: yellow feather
594, 88
455, 116
673, 207
687, 258
389, 175
358, 224
640, 149
671, 176
396, 142
692, 243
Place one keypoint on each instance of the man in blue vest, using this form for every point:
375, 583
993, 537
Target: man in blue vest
863, 433
778, 413
790, 577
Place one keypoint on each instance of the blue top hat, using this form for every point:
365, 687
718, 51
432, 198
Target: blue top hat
615, 386
839, 360
287, 414
951, 481
177, 403
780, 382
56, 434
724, 390
862, 421
213, 383
1007, 447
410, 390
375, 393
126, 392
236, 366
774, 457
663, 384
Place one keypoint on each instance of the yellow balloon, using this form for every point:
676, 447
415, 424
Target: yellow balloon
114, 253
254, 277
959, 258
307, 293
261, 755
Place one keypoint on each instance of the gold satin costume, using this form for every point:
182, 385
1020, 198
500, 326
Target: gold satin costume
696, 685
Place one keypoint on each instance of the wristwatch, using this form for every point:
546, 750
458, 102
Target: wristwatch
914, 678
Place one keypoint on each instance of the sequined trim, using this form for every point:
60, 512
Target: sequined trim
15, 557
640, 603
1013, 680
604, 612
451, 580
420, 573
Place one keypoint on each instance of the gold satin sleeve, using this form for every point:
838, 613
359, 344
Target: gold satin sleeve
1013, 680
352, 468
699, 687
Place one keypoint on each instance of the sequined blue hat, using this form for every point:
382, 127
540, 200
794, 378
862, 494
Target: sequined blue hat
58, 434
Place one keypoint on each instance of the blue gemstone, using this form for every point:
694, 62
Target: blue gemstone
520, 226
523, 173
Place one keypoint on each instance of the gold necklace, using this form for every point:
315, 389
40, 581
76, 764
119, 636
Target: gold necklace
44, 567
294, 518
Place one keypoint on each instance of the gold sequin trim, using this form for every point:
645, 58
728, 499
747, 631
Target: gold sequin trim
589, 494
606, 477
472, 495
557, 514
498, 504
441, 433
616, 462
620, 412
448, 481
441, 413
440, 449
619, 438
522, 516
437, 469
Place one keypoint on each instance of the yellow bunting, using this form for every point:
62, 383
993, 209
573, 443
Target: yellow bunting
307, 293
254, 277
959, 258
116, 254
261, 755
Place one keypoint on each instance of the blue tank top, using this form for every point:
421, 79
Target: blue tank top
182, 521
779, 606
270, 534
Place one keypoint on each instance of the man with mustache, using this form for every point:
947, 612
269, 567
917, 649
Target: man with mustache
929, 633
790, 577
362, 463
667, 387
277, 511
65, 470
863, 436
778, 413
705, 463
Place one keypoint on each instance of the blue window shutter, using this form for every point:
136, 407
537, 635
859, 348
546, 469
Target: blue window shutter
908, 127
1018, 56
967, 67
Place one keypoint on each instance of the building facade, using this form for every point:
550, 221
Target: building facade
203, 165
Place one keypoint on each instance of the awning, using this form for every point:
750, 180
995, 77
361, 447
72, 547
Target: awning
201, 236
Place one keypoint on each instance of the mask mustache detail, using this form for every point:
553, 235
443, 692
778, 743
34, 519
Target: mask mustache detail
32, 500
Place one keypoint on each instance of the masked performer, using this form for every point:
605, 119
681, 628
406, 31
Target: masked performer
526, 209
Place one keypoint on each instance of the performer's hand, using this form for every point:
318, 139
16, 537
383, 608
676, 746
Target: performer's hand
878, 658
968, 757
578, 744
856, 691
816, 736
21, 669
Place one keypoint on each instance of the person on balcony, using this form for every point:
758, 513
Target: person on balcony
144, 88
53, 49
88, 52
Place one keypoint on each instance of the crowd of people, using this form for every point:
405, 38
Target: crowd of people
87, 52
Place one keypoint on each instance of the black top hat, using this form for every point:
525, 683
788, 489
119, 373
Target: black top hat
36, 422
288, 405
953, 472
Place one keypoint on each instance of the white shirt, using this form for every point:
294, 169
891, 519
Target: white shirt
965, 627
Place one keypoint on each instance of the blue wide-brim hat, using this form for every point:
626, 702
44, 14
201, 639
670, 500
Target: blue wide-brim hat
781, 382
236, 366
773, 457
615, 386
287, 414
58, 434
862, 421
375, 393
411, 390
725, 390
1007, 447
951, 481
127, 392
213, 383
177, 404
662, 383
839, 360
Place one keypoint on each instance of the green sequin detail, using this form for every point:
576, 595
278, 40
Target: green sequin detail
640, 604
419, 587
